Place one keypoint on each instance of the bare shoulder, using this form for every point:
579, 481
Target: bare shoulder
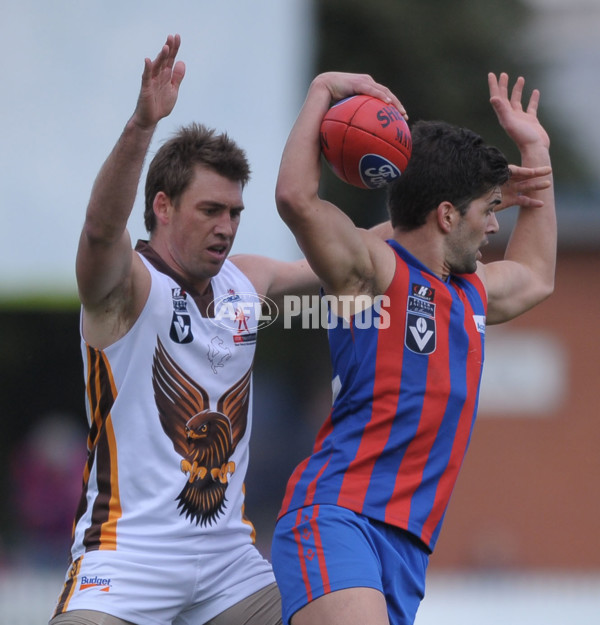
256, 268
276, 278
250, 262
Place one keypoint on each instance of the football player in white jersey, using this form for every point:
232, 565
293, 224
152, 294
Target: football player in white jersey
160, 535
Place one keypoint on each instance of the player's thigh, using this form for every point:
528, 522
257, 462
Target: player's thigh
352, 606
261, 608
319, 550
87, 617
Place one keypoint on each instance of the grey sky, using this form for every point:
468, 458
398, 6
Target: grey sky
70, 78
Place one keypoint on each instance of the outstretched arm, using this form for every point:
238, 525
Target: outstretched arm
525, 276
333, 246
275, 278
104, 256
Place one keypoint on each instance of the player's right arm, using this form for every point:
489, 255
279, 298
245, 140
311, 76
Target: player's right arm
112, 282
340, 254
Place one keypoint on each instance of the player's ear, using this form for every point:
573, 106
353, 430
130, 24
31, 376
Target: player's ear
162, 207
446, 214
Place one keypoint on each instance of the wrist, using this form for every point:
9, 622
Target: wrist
320, 88
535, 155
136, 137
137, 125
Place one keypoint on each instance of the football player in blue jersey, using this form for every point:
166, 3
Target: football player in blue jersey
362, 514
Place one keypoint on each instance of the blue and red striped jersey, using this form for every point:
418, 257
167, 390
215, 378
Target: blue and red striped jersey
406, 385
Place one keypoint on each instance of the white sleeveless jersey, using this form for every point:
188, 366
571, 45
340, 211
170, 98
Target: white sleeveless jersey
169, 409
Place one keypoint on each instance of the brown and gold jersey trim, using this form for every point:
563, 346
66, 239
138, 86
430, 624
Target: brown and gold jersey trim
101, 394
68, 588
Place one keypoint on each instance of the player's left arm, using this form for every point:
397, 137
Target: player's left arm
276, 278
525, 276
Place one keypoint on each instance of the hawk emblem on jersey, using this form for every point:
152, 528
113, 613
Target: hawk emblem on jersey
203, 437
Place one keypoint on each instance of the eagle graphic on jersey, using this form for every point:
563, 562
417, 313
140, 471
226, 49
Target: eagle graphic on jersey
203, 437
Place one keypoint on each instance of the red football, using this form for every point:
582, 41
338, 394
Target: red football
366, 142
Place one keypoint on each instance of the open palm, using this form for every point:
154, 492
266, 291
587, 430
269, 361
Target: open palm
521, 125
160, 84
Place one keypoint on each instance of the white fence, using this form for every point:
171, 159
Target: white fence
515, 599
28, 597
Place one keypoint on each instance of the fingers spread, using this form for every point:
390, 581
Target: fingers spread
517, 92
534, 100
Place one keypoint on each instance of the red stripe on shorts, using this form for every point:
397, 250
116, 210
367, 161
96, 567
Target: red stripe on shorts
320, 553
301, 556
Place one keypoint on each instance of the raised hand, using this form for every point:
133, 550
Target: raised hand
521, 125
343, 85
160, 85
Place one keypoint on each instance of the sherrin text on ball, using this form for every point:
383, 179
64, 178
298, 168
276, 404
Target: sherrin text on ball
366, 142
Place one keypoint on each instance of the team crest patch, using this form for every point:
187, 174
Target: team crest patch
420, 334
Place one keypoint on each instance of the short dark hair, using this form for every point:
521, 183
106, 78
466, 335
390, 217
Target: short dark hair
448, 163
172, 168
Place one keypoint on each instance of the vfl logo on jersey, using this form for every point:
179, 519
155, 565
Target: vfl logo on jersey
376, 171
204, 437
420, 334
181, 323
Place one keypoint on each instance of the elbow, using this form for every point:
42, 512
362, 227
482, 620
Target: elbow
543, 283
93, 234
100, 230
293, 203
284, 201
549, 290
548, 283
544, 291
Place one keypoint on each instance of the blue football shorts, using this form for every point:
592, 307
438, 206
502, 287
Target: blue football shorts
324, 548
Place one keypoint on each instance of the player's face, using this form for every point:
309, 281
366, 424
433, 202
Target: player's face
203, 225
472, 232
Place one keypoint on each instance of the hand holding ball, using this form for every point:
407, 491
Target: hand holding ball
366, 142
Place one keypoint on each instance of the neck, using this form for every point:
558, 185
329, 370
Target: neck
424, 247
164, 261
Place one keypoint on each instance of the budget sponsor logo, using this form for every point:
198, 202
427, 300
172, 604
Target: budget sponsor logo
101, 583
